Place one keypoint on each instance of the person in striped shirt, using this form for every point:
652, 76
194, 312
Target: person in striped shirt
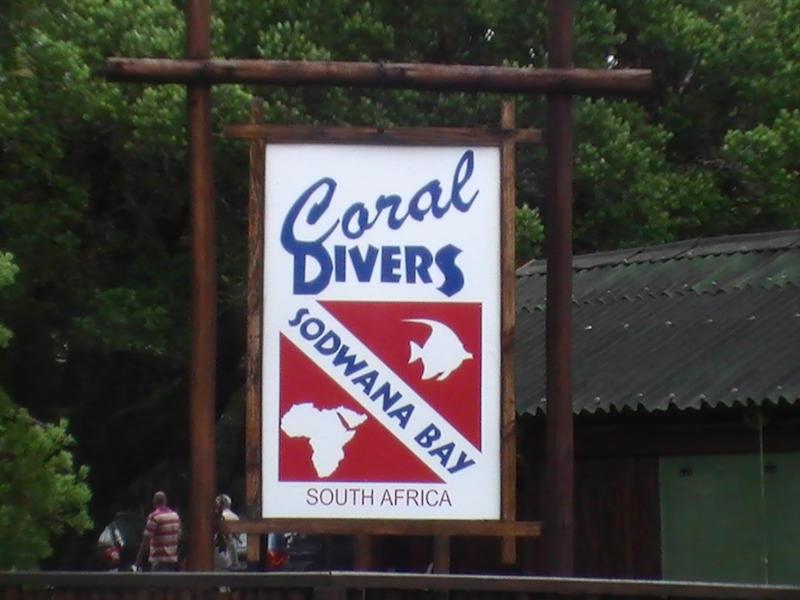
161, 535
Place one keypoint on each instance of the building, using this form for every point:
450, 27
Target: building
687, 424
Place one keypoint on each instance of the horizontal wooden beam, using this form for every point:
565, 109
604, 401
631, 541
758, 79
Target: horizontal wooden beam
387, 527
467, 78
378, 135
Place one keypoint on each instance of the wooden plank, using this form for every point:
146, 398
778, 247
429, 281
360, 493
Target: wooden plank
378, 135
419, 76
508, 287
589, 587
363, 552
617, 508
559, 512
255, 276
329, 594
592, 588
441, 554
387, 527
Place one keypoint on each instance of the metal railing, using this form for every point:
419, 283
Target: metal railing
339, 585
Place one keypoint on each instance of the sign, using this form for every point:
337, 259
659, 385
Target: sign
381, 341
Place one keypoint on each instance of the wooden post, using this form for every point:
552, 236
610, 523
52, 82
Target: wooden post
204, 291
508, 439
559, 493
255, 278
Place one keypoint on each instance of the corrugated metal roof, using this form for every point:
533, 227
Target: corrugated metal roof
698, 323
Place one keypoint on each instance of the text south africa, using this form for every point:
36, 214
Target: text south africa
354, 496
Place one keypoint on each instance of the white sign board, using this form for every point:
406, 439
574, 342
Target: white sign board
381, 342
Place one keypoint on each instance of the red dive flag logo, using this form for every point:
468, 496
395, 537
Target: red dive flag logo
328, 435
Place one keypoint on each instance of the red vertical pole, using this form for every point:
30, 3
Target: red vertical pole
204, 290
559, 493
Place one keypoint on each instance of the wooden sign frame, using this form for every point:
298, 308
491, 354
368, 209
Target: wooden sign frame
199, 72
505, 138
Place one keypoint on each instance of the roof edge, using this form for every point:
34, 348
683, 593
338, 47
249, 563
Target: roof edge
780, 400
691, 248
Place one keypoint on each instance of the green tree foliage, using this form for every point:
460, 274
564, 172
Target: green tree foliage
41, 492
7, 272
93, 178
725, 75
530, 232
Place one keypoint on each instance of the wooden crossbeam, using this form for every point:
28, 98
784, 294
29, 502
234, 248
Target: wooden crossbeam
388, 527
420, 76
378, 135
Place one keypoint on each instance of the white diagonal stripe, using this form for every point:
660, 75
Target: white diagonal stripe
423, 413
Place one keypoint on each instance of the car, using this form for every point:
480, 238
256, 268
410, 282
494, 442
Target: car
308, 552
118, 543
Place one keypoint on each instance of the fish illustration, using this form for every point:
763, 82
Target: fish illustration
442, 353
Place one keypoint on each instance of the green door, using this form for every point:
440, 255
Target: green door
715, 525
